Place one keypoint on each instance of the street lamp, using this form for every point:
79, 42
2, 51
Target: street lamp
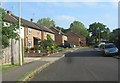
20, 40
99, 35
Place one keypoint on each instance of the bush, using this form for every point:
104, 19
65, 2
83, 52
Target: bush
36, 47
25, 49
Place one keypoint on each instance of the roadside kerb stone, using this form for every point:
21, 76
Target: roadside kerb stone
28, 77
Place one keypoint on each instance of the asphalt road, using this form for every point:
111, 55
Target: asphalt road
84, 64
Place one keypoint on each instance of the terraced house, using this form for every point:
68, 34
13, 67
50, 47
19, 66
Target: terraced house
76, 38
32, 32
60, 37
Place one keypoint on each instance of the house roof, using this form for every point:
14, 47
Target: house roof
15, 19
47, 29
44, 28
10, 19
73, 33
28, 23
57, 31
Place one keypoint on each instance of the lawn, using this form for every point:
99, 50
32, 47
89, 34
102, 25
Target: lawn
6, 67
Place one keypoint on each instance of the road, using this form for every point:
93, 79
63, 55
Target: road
85, 64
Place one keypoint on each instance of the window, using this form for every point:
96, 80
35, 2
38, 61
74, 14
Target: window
29, 31
6, 24
29, 42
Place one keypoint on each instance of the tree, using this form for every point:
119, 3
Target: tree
115, 37
99, 31
46, 22
48, 44
77, 26
8, 32
62, 29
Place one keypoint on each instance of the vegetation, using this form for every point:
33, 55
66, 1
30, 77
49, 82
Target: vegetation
8, 32
97, 32
77, 26
49, 45
62, 29
6, 67
115, 37
46, 22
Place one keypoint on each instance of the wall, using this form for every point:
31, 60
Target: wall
11, 51
64, 38
58, 39
74, 40
44, 35
34, 33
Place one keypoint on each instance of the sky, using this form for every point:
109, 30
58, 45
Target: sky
64, 13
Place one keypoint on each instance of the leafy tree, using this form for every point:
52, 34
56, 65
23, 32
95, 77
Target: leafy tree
77, 26
115, 37
46, 22
47, 44
98, 31
62, 29
8, 32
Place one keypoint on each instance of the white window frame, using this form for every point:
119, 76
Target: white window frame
29, 43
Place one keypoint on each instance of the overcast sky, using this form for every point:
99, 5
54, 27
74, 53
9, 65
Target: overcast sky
64, 13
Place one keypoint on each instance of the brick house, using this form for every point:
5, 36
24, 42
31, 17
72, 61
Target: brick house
60, 37
76, 38
33, 33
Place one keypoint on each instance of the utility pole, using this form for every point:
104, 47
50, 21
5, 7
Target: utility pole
99, 35
20, 40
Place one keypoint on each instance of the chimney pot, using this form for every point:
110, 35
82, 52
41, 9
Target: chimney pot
31, 20
9, 12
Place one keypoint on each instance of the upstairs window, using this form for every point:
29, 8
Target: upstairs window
29, 31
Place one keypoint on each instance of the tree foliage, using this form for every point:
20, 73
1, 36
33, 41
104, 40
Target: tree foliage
47, 44
98, 31
46, 22
8, 32
114, 35
62, 29
77, 26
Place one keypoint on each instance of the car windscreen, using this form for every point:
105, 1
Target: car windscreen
109, 46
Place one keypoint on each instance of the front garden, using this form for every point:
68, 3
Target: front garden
46, 47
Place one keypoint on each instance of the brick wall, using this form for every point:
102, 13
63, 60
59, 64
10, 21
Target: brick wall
73, 39
30, 37
58, 39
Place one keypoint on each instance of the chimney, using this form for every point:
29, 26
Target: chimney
31, 20
9, 12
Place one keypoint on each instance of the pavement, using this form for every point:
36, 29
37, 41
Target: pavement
32, 66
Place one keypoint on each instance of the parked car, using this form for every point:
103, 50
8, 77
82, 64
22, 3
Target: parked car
96, 46
65, 45
109, 49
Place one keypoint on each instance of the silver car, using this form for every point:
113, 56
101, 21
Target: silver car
109, 49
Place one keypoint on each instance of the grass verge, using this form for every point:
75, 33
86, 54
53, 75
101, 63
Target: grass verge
7, 66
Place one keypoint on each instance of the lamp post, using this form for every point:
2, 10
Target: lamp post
99, 35
20, 40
